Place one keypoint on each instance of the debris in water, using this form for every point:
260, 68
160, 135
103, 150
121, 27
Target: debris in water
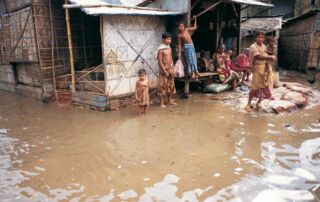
271, 125
119, 166
241, 123
217, 175
144, 162
128, 195
238, 169
40, 169
146, 179
273, 132
3, 130
290, 128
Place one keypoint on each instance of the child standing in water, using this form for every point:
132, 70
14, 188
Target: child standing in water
142, 91
166, 70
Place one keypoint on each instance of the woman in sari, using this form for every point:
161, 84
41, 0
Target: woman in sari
260, 65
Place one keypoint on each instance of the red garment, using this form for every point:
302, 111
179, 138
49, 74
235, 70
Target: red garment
241, 64
262, 93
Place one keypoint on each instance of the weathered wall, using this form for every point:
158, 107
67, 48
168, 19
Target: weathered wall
17, 37
7, 74
14, 5
303, 6
295, 44
124, 36
28, 74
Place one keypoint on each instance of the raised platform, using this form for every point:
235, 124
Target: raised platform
203, 76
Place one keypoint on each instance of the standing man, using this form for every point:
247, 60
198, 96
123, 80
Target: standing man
189, 50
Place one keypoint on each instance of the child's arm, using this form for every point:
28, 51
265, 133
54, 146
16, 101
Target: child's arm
136, 91
161, 64
179, 47
195, 26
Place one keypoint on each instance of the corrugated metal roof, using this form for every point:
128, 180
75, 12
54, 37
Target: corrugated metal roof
265, 24
251, 2
130, 9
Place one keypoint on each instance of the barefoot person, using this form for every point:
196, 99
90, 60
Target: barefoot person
142, 91
166, 70
184, 38
259, 61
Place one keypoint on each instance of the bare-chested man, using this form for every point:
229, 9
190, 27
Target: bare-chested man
189, 50
166, 70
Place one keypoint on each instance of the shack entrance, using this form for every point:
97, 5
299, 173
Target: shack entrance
87, 51
218, 25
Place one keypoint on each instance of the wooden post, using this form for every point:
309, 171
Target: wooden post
238, 10
38, 50
84, 42
73, 76
52, 49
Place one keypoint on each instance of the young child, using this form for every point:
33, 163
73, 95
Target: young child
228, 76
142, 91
166, 70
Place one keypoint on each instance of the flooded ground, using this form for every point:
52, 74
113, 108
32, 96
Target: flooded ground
198, 151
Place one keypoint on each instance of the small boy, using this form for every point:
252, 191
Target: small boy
185, 40
142, 91
166, 70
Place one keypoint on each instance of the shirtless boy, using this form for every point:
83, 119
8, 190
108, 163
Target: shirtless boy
189, 50
166, 70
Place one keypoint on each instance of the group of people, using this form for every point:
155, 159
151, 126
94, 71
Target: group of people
257, 61
166, 68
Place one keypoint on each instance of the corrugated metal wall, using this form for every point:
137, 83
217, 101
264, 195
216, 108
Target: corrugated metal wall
125, 37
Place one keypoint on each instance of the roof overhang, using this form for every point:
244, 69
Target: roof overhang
99, 7
251, 3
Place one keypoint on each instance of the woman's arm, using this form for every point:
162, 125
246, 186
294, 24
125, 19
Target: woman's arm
263, 57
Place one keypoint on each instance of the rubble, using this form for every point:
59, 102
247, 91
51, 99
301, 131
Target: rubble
287, 98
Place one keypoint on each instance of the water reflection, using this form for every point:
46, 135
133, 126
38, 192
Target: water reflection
289, 174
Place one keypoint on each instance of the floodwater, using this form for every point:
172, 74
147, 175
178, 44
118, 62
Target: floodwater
198, 151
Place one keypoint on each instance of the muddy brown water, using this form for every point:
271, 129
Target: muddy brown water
198, 151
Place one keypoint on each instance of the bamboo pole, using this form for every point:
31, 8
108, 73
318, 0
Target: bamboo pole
52, 48
73, 78
71, 6
84, 41
206, 10
38, 51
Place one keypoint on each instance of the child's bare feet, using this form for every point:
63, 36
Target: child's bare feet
193, 76
163, 106
249, 108
172, 103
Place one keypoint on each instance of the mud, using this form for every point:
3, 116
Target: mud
198, 151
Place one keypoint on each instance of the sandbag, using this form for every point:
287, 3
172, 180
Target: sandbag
217, 88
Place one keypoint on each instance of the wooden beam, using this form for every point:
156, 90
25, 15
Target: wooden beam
69, 33
52, 47
195, 4
208, 9
71, 6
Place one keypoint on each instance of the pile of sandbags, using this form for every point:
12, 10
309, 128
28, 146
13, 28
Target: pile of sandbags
288, 97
